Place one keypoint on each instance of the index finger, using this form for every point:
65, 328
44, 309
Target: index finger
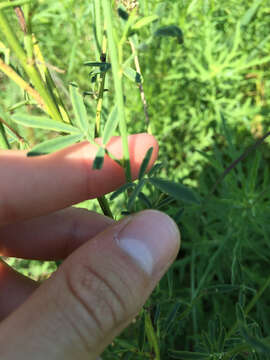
35, 186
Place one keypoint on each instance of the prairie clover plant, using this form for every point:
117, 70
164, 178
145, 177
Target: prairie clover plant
33, 76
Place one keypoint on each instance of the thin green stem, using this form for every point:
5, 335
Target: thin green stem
117, 78
29, 68
103, 202
101, 85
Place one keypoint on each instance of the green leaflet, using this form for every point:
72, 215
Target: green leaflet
171, 30
79, 109
135, 193
52, 145
132, 75
144, 21
110, 126
99, 159
121, 190
151, 336
42, 122
176, 190
145, 162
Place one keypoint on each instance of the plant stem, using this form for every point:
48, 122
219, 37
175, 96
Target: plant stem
101, 85
29, 68
23, 84
103, 202
140, 85
117, 77
20, 138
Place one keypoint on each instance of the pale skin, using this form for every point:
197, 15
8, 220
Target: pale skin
109, 270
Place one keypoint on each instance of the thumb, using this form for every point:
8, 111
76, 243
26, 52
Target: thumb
95, 293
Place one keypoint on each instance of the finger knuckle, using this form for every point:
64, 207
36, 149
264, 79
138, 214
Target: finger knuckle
97, 296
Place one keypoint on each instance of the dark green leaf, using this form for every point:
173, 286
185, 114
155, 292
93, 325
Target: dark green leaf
144, 21
187, 355
171, 317
171, 30
176, 190
155, 169
103, 66
79, 109
236, 271
122, 13
42, 122
121, 190
99, 159
257, 344
52, 145
145, 162
144, 199
132, 74
156, 315
164, 202
110, 126
134, 194
240, 314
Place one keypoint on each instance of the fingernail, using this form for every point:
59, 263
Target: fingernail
151, 239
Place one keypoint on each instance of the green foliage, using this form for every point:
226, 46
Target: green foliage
207, 101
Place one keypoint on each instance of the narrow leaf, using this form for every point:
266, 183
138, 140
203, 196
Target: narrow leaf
110, 126
251, 13
144, 199
135, 193
141, 337
79, 109
41, 122
144, 21
132, 75
52, 145
171, 317
99, 159
255, 343
187, 355
151, 336
145, 162
122, 13
176, 190
171, 30
240, 314
121, 190
155, 169
103, 66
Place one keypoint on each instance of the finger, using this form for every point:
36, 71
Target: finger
95, 293
53, 236
35, 186
14, 289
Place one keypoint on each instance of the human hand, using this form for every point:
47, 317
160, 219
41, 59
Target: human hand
110, 268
